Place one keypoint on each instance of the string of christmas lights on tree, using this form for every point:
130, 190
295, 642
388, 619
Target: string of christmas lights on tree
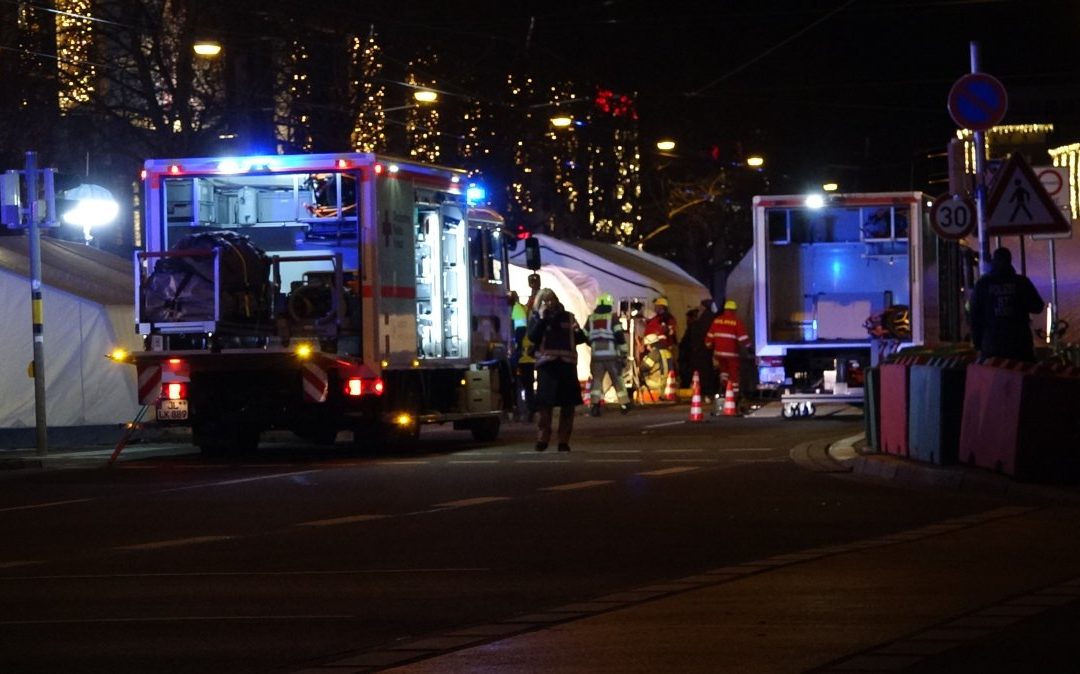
422, 119
74, 44
292, 125
369, 125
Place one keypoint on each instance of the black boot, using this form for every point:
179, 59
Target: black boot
594, 410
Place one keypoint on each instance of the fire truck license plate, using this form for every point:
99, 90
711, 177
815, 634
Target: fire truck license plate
172, 410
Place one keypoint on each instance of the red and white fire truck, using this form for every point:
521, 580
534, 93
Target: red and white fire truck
316, 294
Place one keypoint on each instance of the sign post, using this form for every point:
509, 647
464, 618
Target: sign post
36, 310
977, 102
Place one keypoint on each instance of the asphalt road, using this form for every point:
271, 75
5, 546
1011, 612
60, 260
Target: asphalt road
295, 557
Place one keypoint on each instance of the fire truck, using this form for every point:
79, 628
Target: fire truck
316, 294
840, 282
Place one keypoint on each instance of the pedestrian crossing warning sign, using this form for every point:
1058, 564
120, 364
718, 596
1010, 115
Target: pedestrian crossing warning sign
1019, 204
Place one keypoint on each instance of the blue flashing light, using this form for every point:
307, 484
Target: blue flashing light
475, 194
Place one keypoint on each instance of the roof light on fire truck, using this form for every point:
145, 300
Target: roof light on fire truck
393, 168
303, 350
475, 194
455, 179
262, 164
343, 163
815, 201
378, 169
142, 174
228, 166
174, 169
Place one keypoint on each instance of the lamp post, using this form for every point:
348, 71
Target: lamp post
94, 207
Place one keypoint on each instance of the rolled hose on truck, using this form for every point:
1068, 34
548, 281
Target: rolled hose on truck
181, 287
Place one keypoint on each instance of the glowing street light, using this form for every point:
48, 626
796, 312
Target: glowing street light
94, 207
425, 95
207, 48
561, 121
830, 187
755, 161
665, 145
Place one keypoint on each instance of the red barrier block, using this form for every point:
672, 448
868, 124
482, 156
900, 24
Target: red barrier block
1021, 423
894, 408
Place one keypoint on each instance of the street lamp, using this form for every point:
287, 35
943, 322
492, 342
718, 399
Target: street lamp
425, 95
755, 161
207, 48
665, 145
561, 121
94, 207
830, 187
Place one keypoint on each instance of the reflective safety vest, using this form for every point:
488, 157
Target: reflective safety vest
725, 335
605, 335
519, 315
556, 338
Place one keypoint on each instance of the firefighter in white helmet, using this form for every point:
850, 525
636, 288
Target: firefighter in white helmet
605, 336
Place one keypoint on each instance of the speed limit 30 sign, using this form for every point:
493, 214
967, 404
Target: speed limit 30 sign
953, 216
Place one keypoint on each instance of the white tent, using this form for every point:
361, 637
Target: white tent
578, 272
87, 299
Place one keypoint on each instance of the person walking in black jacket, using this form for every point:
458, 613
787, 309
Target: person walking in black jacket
1000, 311
556, 334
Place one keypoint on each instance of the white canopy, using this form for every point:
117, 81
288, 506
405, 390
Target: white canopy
579, 271
87, 300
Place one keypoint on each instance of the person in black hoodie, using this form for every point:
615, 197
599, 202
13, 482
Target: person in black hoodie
1000, 311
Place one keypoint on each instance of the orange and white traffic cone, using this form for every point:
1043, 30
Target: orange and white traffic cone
695, 399
586, 389
729, 402
670, 387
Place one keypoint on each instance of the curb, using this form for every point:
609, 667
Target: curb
851, 453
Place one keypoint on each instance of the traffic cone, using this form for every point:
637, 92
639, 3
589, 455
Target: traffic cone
729, 402
695, 399
670, 386
586, 388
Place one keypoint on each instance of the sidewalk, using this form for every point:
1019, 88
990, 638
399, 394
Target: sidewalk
88, 447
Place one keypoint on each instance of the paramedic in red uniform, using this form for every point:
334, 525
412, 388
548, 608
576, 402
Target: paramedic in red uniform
726, 334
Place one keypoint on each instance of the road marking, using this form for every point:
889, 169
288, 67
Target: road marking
12, 565
667, 423
612, 460
174, 543
404, 462
615, 451
240, 481
679, 451
577, 485
165, 619
473, 461
674, 470
51, 504
466, 502
214, 574
348, 519
749, 449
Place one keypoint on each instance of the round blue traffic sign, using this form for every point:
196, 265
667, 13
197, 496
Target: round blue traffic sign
977, 101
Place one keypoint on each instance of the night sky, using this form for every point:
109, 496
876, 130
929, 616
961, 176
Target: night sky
847, 90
